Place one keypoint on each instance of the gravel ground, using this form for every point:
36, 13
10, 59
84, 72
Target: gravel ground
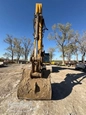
68, 93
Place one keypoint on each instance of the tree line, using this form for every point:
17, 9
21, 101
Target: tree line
18, 47
68, 42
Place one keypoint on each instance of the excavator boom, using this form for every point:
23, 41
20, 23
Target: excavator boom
36, 83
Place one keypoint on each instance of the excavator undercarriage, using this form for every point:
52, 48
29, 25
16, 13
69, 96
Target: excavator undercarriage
36, 83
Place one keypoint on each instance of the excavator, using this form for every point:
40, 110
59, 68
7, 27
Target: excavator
36, 82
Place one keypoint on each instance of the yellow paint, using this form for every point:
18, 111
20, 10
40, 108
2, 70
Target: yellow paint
40, 36
38, 8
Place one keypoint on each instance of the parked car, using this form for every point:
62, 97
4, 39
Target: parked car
80, 65
1, 63
70, 63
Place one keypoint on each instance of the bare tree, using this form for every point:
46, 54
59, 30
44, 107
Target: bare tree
51, 52
62, 39
6, 55
72, 47
10, 49
27, 45
75, 42
69, 51
17, 48
82, 45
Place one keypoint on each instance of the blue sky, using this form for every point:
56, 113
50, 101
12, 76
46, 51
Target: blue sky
16, 18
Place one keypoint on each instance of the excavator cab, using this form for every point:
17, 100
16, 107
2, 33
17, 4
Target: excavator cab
36, 83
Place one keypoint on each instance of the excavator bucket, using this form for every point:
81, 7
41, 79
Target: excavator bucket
36, 88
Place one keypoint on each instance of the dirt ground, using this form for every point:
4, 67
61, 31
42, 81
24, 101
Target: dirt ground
68, 93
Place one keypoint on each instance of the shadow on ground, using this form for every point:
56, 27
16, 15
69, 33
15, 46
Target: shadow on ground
57, 68
63, 89
3, 66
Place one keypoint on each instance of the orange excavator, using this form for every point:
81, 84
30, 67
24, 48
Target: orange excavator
36, 83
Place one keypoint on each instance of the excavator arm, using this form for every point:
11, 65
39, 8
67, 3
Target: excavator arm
35, 83
38, 45
38, 53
